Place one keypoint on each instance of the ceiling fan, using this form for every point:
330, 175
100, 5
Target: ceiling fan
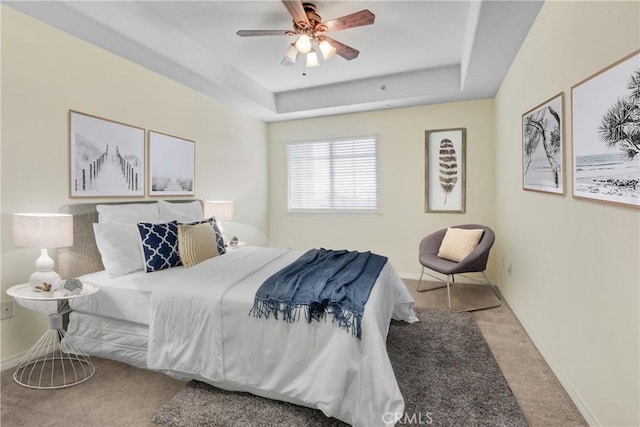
312, 32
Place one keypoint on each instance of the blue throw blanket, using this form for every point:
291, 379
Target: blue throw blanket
321, 283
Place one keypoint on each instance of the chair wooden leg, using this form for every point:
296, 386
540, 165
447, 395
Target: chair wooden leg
449, 289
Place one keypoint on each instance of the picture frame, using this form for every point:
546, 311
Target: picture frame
171, 165
107, 158
543, 147
445, 170
605, 112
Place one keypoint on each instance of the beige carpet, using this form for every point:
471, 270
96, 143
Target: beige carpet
120, 395
461, 385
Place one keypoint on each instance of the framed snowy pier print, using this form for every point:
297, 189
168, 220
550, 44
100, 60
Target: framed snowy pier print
445, 170
171, 165
542, 147
106, 157
606, 134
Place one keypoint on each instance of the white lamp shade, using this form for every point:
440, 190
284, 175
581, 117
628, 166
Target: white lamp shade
327, 50
303, 44
222, 210
290, 55
43, 230
312, 59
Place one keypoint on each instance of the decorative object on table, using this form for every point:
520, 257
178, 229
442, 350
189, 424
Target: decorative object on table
171, 165
43, 231
233, 242
606, 136
107, 157
73, 285
222, 210
445, 180
543, 147
45, 287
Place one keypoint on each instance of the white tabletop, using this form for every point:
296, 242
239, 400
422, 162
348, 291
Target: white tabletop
25, 292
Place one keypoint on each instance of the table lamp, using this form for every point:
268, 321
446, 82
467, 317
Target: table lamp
222, 211
43, 231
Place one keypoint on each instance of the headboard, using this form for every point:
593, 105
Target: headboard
83, 257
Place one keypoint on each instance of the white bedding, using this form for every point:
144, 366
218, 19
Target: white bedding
200, 327
124, 297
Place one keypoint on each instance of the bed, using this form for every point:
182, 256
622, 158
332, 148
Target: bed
195, 323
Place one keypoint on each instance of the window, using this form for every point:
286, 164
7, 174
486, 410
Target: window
336, 175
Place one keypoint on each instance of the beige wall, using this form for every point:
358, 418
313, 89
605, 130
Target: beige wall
46, 72
403, 222
575, 277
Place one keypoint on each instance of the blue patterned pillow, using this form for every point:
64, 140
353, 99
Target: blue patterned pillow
216, 230
159, 245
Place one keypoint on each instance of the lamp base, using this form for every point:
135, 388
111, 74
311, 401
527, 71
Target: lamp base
40, 277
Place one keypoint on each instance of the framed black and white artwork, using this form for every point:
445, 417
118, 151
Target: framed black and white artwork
171, 165
445, 152
542, 147
606, 134
106, 157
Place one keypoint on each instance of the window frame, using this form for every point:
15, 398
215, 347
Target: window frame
336, 210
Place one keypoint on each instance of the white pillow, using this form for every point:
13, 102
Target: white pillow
458, 243
131, 213
119, 245
181, 212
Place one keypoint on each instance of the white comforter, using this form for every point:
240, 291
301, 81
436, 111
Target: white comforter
200, 327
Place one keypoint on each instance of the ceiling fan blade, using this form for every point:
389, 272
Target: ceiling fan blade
296, 10
357, 19
347, 52
252, 33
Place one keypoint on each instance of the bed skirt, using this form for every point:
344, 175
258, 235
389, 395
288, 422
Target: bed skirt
109, 338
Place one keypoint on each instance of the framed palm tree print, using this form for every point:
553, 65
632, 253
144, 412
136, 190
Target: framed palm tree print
542, 147
606, 134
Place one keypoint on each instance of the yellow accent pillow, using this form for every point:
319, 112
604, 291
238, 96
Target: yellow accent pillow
196, 243
458, 243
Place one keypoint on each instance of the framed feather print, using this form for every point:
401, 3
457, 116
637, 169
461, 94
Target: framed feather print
445, 182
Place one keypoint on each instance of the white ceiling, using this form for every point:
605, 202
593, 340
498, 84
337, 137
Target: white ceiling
416, 52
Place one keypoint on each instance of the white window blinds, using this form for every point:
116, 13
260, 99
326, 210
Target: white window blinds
337, 175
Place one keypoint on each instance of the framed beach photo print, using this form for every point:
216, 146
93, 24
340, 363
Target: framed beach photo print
171, 165
542, 147
445, 170
106, 157
606, 134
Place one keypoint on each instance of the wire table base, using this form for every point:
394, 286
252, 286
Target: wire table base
54, 361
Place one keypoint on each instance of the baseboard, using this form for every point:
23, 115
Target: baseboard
589, 417
11, 362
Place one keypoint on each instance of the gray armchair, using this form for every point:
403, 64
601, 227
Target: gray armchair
475, 262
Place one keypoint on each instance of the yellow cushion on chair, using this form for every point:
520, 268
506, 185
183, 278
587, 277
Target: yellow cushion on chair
458, 243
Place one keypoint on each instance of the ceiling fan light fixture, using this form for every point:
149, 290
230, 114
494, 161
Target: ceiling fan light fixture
327, 50
312, 59
303, 44
290, 56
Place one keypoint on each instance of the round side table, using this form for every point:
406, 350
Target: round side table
54, 361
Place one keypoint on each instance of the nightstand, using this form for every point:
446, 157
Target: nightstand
54, 361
